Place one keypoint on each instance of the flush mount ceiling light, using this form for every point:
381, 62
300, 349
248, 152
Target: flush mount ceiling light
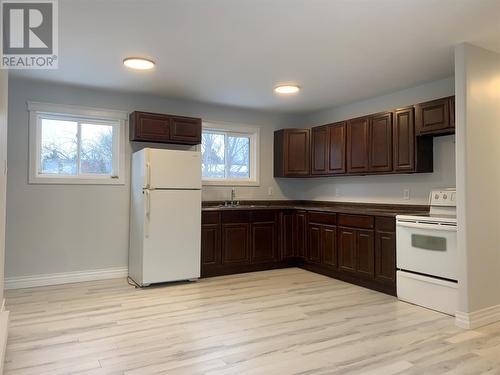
287, 89
139, 63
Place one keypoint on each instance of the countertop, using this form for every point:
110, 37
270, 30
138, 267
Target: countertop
373, 209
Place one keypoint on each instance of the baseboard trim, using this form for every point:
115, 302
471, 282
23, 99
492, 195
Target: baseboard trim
478, 318
64, 277
4, 331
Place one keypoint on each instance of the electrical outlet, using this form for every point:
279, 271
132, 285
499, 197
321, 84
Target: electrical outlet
406, 194
270, 190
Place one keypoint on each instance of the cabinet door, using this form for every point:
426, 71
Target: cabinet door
235, 243
264, 242
365, 260
149, 127
380, 139
385, 257
347, 249
288, 235
433, 117
314, 242
357, 145
329, 245
300, 234
319, 150
452, 112
337, 152
210, 244
404, 140
297, 152
185, 130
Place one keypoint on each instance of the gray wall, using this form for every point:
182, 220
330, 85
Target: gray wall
388, 188
63, 228
3, 171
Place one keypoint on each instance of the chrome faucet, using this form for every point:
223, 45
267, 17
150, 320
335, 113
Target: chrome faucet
232, 202
233, 195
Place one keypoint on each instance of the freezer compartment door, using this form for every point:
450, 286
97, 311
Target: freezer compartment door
172, 169
172, 232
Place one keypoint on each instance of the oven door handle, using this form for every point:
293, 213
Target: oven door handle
406, 224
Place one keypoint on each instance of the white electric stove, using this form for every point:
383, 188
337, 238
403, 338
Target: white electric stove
426, 255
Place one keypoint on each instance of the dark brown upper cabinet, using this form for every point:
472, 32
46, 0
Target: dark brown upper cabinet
162, 128
404, 139
436, 117
292, 153
358, 145
452, 113
337, 151
380, 141
319, 150
328, 149
149, 127
411, 154
396, 141
185, 130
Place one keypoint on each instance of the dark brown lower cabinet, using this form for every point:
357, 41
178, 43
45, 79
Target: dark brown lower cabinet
365, 261
329, 245
359, 249
385, 251
210, 244
235, 243
356, 251
314, 242
210, 239
347, 249
264, 242
300, 234
288, 234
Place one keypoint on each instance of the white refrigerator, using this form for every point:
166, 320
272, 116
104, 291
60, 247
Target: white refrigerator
165, 216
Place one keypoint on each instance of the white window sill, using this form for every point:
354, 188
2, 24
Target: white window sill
230, 183
39, 180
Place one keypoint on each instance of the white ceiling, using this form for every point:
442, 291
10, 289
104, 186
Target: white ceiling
234, 52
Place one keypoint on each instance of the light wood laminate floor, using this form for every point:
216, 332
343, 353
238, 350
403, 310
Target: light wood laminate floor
286, 321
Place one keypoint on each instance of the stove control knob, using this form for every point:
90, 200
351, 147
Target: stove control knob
436, 197
445, 196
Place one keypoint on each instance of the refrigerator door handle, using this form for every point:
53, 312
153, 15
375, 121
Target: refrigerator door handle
148, 175
147, 196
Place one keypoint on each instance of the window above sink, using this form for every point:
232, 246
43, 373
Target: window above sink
230, 155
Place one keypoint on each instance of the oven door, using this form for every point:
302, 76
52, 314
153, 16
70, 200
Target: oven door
429, 249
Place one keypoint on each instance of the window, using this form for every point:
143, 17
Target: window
229, 155
73, 145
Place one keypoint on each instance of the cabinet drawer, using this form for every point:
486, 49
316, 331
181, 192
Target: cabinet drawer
356, 221
235, 216
322, 218
210, 217
263, 216
386, 224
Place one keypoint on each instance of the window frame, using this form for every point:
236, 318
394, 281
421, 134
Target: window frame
118, 119
253, 133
